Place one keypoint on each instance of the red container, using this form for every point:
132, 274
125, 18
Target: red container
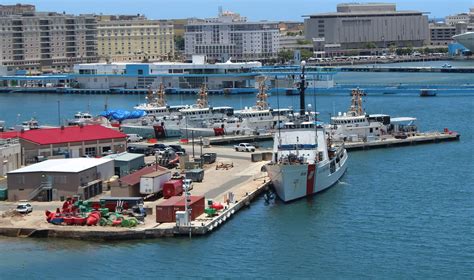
172, 188
196, 205
166, 210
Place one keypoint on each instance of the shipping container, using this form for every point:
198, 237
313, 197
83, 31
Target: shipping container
153, 182
196, 204
166, 210
172, 188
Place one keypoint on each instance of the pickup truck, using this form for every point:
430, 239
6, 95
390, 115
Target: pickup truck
244, 147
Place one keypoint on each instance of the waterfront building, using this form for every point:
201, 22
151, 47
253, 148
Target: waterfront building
46, 41
71, 142
55, 178
367, 27
231, 36
442, 34
134, 38
173, 75
10, 155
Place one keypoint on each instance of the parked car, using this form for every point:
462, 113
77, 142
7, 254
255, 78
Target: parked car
134, 138
178, 148
244, 147
24, 208
147, 151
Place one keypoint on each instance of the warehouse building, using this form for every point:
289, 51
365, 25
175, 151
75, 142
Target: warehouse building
10, 155
58, 178
68, 142
368, 26
126, 163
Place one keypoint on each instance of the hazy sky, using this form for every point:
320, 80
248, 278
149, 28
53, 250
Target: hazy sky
253, 9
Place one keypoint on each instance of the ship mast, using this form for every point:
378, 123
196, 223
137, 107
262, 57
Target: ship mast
202, 101
356, 108
160, 96
262, 96
149, 96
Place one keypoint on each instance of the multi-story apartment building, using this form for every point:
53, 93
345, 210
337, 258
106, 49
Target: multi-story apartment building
231, 36
368, 26
6, 10
134, 38
47, 41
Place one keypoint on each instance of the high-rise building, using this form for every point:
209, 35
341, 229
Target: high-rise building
44, 41
368, 26
134, 38
230, 36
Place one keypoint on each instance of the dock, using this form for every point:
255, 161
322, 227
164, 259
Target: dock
228, 139
245, 180
422, 138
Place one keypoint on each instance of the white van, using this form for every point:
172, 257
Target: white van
134, 138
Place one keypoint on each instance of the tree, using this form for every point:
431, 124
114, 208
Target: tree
370, 45
179, 42
285, 55
306, 54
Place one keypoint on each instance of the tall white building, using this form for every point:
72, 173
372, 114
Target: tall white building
231, 36
44, 40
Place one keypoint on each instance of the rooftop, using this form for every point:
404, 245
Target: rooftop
68, 134
134, 178
67, 165
125, 156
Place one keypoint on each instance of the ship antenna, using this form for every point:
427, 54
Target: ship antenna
302, 89
278, 106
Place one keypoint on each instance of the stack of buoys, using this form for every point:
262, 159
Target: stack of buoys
93, 218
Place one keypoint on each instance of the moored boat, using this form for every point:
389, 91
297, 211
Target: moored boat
305, 160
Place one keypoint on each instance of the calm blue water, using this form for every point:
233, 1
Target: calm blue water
398, 213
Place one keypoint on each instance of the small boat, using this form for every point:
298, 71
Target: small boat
446, 66
427, 92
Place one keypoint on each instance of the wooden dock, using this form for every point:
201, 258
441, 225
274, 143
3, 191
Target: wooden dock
422, 138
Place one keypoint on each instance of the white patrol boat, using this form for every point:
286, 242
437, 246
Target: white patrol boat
305, 161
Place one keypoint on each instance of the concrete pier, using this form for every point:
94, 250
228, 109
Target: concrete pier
422, 138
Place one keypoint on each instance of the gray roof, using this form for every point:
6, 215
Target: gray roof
67, 165
125, 156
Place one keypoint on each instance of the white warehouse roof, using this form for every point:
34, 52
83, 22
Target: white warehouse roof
68, 165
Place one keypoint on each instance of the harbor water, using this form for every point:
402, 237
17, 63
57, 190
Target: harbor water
399, 213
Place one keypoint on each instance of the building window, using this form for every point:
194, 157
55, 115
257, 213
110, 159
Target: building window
90, 151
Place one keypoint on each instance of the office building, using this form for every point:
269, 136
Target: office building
231, 36
367, 26
44, 41
10, 155
134, 38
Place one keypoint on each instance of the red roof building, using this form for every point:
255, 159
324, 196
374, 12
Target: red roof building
129, 186
70, 141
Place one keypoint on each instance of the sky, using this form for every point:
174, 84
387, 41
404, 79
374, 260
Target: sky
252, 9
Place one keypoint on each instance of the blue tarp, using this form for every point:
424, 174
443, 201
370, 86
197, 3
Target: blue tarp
120, 115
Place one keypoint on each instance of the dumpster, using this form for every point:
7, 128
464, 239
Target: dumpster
3, 194
197, 175
209, 158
